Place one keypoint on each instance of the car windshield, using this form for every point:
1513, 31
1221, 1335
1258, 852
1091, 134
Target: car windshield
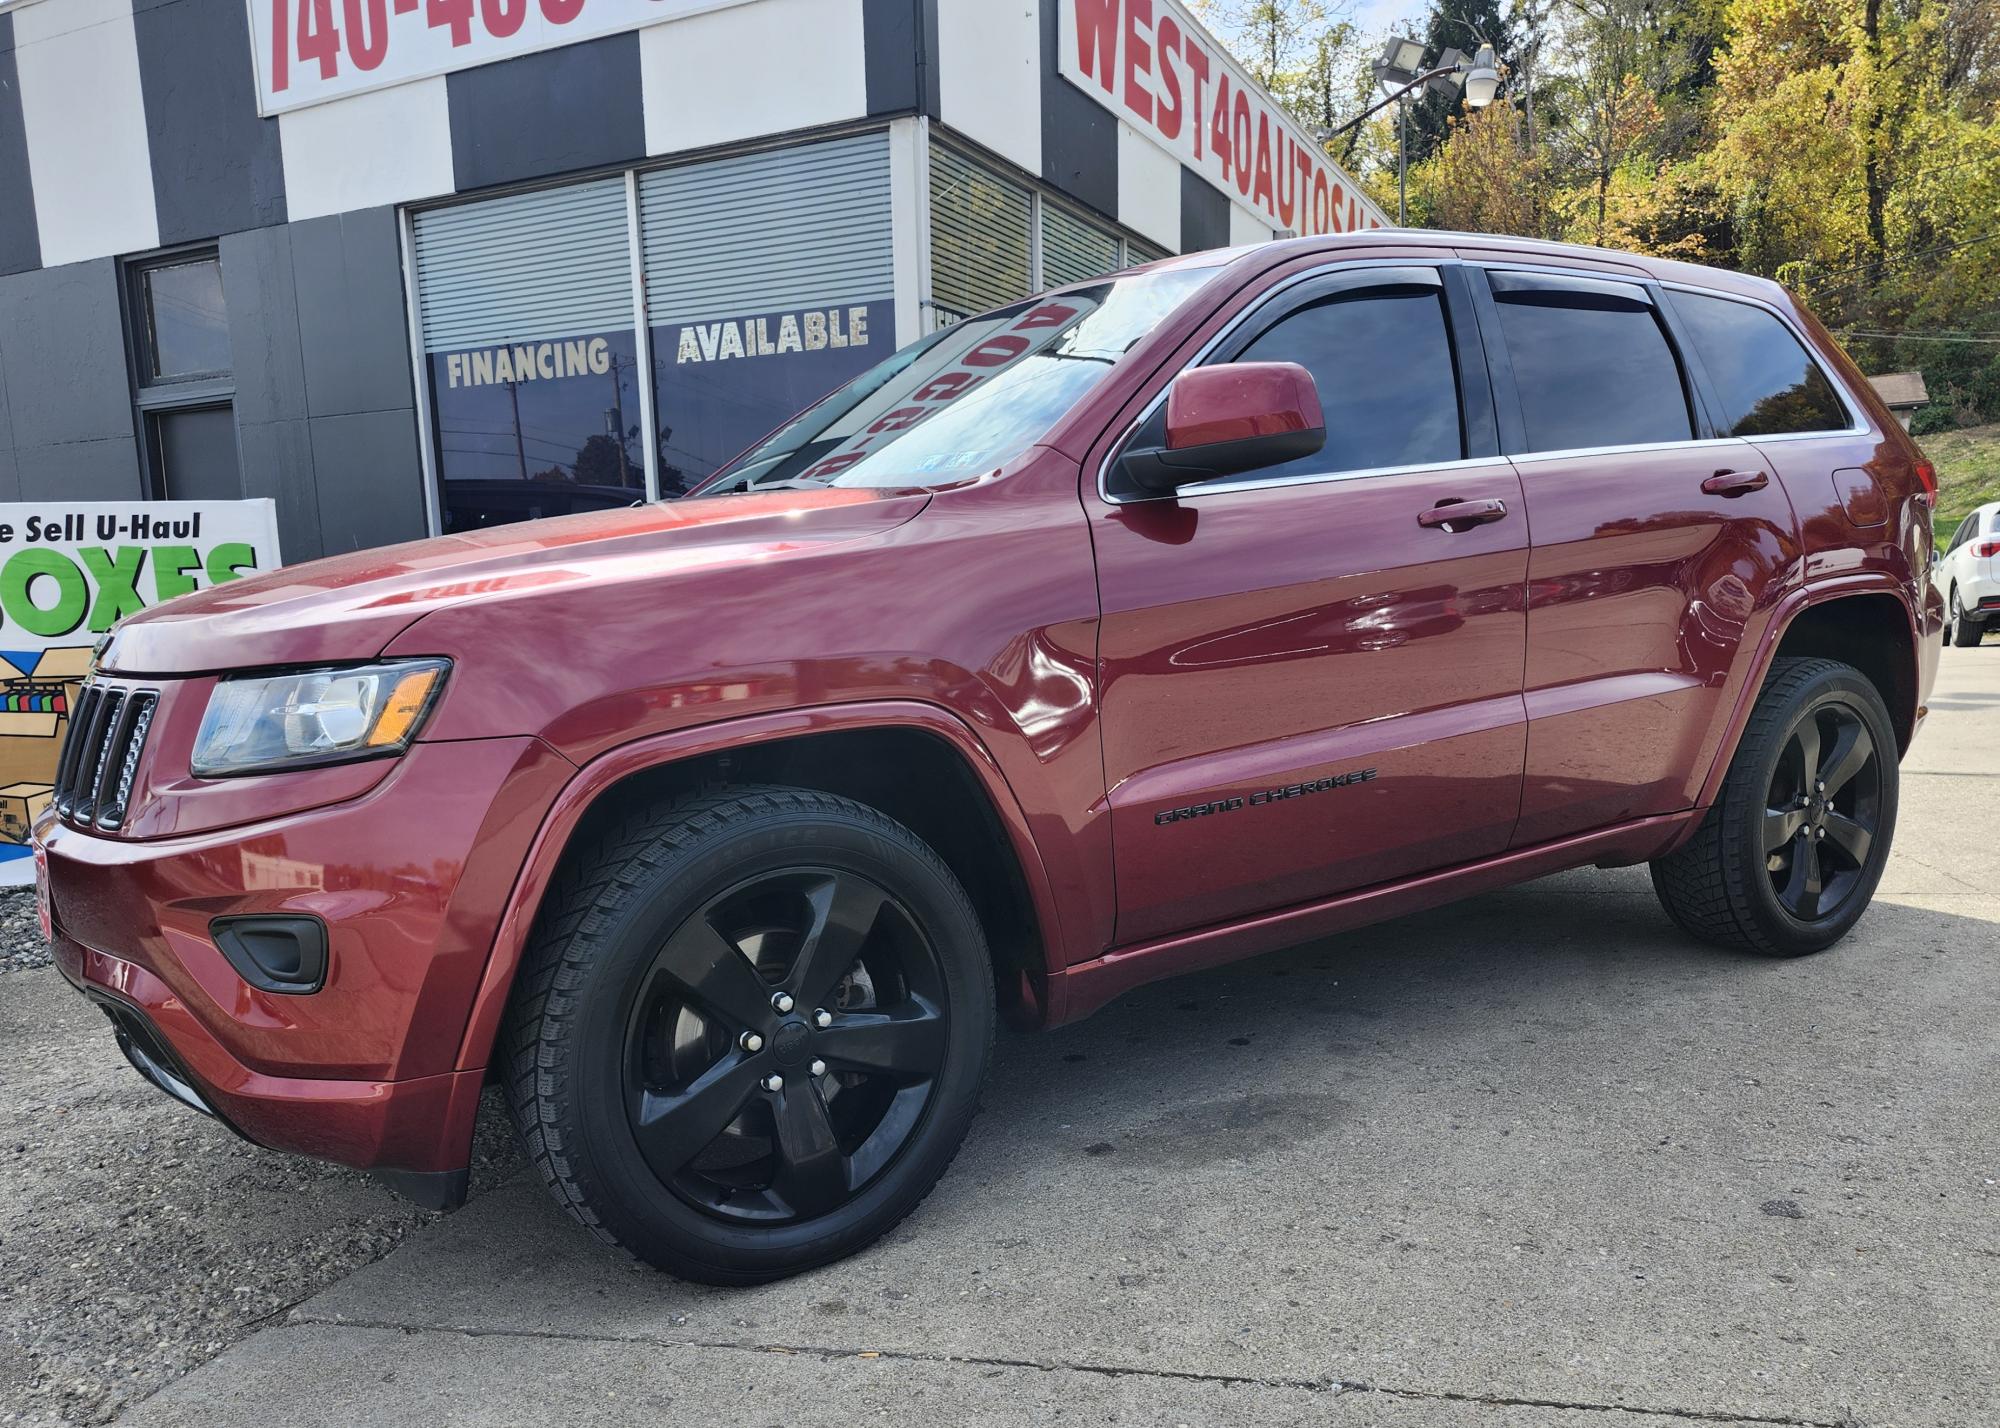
968, 398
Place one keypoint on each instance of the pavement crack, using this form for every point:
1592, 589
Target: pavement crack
1330, 1386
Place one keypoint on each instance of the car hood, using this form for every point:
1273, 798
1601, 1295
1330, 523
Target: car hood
351, 606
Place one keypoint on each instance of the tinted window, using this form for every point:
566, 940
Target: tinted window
1762, 376
1591, 371
1383, 364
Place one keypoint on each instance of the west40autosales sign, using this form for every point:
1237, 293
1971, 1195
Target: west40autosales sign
1150, 63
309, 51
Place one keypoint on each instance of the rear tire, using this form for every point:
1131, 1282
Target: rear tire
1965, 632
1789, 856
749, 1032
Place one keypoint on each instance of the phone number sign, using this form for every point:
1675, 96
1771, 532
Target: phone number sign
310, 51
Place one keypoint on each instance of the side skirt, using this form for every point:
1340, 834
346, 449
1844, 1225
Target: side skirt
1089, 985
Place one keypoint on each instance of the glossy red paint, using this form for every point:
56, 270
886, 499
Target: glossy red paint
1239, 402
1415, 706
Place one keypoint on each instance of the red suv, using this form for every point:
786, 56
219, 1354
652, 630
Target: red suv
1155, 622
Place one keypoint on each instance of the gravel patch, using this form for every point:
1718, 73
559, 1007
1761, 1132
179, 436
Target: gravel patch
21, 942
138, 1239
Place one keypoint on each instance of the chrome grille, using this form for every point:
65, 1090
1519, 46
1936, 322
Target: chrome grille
100, 758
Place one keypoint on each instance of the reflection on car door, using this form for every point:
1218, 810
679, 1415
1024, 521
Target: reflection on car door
1304, 689
1657, 548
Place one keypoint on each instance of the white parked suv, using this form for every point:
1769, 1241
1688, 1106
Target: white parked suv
1969, 575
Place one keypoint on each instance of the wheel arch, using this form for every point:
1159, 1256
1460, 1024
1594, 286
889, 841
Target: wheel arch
1865, 622
916, 762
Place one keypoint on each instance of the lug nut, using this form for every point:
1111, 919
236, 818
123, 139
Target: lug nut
750, 1041
822, 1019
818, 1068
783, 1002
774, 1082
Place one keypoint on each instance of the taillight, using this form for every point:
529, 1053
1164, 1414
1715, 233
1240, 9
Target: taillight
1987, 549
1927, 478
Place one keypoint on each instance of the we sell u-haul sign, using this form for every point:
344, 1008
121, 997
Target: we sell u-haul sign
1154, 66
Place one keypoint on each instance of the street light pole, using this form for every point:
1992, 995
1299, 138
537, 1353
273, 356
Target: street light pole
1479, 77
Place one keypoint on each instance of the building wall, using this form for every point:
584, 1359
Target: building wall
129, 126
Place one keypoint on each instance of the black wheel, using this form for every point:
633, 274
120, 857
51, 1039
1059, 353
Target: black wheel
1965, 633
1788, 858
750, 1032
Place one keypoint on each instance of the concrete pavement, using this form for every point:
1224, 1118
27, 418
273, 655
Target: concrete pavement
1535, 1159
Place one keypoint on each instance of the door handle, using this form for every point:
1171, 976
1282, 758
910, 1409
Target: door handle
1735, 483
1462, 515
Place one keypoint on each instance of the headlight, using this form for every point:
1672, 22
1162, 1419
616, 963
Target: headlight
264, 722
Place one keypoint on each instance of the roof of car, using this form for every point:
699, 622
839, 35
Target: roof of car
1665, 270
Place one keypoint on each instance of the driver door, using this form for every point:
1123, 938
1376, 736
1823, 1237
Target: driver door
1311, 678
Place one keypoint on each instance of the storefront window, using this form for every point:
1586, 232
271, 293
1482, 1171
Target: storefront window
770, 281
532, 355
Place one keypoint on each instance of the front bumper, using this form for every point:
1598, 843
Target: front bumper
410, 880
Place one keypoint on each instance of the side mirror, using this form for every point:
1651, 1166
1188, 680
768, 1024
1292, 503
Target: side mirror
1228, 419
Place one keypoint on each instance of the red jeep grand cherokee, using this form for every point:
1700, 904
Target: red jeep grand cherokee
1151, 623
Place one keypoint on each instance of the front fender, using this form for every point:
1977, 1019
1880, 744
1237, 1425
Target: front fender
591, 782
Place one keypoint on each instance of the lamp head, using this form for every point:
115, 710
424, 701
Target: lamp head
1482, 81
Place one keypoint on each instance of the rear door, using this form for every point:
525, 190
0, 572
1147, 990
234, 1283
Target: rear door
1659, 548
1305, 687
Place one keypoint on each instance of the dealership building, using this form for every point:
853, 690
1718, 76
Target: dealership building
418, 266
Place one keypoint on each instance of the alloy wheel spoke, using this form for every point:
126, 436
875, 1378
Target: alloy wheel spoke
1781, 825
1853, 838
812, 1172
1802, 889
907, 1041
1806, 736
672, 1128
844, 910
715, 973
1852, 749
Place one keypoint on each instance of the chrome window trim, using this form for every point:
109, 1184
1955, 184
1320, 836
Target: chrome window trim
1840, 390
1227, 485
1221, 336
1633, 449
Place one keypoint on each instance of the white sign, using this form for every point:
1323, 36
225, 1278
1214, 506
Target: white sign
1153, 65
310, 51
68, 571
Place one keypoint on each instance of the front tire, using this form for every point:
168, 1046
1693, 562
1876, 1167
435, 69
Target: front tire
750, 1032
1965, 633
1788, 858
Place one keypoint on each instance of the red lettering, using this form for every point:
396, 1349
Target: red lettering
944, 387
503, 17
456, 15
318, 39
901, 419
1168, 115
1197, 63
1097, 35
1264, 194
281, 46
561, 12
1049, 314
1218, 127
1287, 187
996, 351
1302, 157
1339, 208
1239, 139
1138, 58
367, 33
1322, 207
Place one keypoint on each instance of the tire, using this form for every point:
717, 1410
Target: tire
1772, 868
1965, 632
663, 947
